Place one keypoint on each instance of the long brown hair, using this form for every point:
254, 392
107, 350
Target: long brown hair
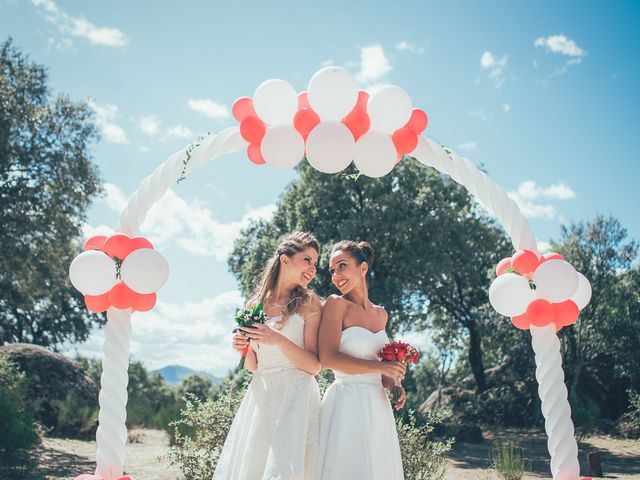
291, 244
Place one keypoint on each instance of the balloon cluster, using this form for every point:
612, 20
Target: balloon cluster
538, 291
118, 271
332, 124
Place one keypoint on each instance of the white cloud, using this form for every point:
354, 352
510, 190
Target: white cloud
105, 116
506, 108
471, 145
530, 198
404, 46
191, 225
194, 334
79, 26
180, 131
561, 45
374, 64
543, 246
149, 125
495, 67
209, 108
480, 114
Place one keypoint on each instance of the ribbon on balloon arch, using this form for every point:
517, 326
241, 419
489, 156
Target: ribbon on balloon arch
333, 124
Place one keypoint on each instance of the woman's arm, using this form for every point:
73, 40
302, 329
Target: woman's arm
240, 341
303, 358
329, 336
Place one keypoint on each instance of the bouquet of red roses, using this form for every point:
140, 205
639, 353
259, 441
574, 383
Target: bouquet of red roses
246, 317
399, 352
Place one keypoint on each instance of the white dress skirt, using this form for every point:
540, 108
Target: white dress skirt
274, 435
358, 436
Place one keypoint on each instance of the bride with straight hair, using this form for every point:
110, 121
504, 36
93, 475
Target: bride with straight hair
358, 437
275, 432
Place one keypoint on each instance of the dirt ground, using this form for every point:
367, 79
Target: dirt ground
146, 457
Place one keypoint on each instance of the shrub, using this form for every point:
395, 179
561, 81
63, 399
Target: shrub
17, 431
422, 458
508, 462
629, 424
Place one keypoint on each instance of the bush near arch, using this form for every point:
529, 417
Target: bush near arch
331, 124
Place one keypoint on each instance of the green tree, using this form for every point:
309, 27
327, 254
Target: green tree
601, 349
434, 249
196, 385
47, 181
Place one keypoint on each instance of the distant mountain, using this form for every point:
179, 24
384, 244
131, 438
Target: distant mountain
174, 374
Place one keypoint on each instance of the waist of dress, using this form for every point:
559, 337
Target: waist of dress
276, 368
361, 378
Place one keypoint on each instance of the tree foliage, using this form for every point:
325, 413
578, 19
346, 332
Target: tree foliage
47, 182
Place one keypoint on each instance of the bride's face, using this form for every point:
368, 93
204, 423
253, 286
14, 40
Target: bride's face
345, 272
301, 266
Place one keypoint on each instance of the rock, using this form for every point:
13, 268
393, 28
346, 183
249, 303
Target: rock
64, 398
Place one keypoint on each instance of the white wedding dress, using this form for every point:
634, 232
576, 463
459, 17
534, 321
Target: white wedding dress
274, 435
358, 437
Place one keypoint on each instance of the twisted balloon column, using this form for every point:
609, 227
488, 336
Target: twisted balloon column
546, 345
112, 431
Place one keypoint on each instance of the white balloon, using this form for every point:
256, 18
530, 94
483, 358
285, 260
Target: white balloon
332, 92
389, 109
510, 294
144, 270
330, 147
275, 102
93, 272
556, 281
375, 154
282, 147
583, 292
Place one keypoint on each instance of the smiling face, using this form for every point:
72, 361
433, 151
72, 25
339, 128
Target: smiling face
346, 274
301, 266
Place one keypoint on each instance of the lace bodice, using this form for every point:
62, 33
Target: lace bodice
270, 356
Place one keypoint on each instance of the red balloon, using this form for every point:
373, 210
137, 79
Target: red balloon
95, 243
144, 302
97, 303
255, 154
363, 99
303, 101
540, 312
243, 108
551, 256
305, 120
121, 296
524, 261
565, 313
521, 322
357, 122
405, 140
118, 246
503, 265
140, 242
418, 121
252, 129
399, 157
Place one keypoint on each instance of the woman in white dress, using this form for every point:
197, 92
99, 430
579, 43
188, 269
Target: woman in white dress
275, 432
358, 437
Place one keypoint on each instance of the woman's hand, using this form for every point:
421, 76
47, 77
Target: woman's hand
402, 398
263, 334
392, 369
240, 341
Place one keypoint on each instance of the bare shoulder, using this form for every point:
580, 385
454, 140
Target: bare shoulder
335, 301
312, 308
380, 312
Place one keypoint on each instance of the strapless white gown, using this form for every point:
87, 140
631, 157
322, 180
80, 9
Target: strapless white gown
358, 436
274, 435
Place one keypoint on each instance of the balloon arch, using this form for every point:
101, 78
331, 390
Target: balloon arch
332, 125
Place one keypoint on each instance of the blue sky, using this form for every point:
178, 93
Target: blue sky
544, 95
